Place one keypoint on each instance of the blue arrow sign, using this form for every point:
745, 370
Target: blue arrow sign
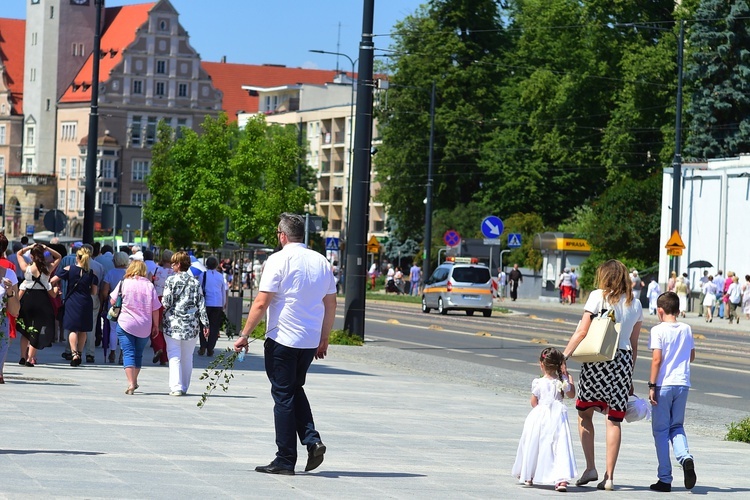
492, 227
332, 243
514, 240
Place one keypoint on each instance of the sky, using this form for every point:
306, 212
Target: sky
275, 31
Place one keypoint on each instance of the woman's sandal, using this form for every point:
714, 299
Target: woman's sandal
131, 390
562, 487
76, 359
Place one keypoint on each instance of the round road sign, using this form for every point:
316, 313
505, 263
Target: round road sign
452, 238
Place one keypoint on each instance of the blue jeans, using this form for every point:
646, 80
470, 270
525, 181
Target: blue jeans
286, 368
132, 348
667, 419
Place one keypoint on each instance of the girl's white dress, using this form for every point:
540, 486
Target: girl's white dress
545, 453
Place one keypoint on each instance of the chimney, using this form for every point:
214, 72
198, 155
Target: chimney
224, 59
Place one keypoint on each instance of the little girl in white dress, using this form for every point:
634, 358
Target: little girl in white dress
545, 453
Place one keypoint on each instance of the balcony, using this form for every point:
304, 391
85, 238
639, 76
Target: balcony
24, 179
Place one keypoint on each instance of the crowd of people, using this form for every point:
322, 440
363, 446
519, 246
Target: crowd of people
121, 301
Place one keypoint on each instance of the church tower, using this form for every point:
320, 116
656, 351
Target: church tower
59, 37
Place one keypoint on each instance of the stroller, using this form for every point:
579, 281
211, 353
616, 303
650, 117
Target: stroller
390, 287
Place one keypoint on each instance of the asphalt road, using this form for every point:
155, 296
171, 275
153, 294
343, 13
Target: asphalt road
720, 374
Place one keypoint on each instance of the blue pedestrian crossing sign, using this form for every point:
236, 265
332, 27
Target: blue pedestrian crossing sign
332, 244
514, 240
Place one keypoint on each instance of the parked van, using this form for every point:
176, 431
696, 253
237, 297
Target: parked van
458, 286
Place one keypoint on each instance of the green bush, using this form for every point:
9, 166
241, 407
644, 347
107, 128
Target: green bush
739, 431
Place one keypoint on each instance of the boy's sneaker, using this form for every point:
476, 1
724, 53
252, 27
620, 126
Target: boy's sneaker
688, 468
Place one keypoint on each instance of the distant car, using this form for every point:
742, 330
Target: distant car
460, 287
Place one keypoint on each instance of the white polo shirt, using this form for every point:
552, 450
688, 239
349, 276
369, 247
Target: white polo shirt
299, 278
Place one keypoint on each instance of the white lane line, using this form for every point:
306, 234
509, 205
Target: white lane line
486, 355
513, 360
461, 351
720, 395
520, 341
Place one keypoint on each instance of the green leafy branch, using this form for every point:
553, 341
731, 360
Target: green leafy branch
219, 373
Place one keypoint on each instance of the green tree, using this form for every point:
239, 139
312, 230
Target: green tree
456, 44
718, 76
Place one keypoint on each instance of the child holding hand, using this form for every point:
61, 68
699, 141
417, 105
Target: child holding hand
545, 452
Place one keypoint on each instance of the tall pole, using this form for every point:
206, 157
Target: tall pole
428, 200
356, 248
343, 234
677, 161
90, 193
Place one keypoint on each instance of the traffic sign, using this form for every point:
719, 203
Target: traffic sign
373, 245
55, 220
674, 252
492, 242
332, 244
492, 227
452, 238
514, 240
675, 241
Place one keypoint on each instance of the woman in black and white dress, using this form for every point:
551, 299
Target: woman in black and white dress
605, 386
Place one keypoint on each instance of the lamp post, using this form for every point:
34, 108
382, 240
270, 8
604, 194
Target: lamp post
89, 202
677, 158
428, 201
351, 136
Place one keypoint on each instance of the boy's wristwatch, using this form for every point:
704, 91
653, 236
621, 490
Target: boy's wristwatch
651, 385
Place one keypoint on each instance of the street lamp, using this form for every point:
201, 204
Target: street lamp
677, 158
89, 204
351, 136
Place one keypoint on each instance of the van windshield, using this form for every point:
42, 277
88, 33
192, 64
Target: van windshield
471, 274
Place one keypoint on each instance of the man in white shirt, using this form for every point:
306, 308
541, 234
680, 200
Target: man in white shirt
298, 292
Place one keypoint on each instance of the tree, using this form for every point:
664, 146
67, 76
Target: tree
456, 44
718, 76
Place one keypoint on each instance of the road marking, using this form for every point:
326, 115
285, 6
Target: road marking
514, 360
720, 395
462, 351
486, 355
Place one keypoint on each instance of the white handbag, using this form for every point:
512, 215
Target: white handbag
601, 340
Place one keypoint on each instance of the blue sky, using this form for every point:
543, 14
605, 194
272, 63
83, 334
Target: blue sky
275, 31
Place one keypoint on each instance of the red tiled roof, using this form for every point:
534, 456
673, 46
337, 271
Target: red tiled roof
230, 77
12, 42
120, 25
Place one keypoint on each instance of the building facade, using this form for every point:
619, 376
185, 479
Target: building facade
326, 115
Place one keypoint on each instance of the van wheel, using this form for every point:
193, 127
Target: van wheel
487, 313
425, 309
470, 312
441, 309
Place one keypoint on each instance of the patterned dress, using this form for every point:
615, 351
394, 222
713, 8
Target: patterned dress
184, 307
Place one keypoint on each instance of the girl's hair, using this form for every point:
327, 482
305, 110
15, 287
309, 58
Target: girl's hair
136, 268
613, 279
83, 257
552, 360
182, 259
38, 258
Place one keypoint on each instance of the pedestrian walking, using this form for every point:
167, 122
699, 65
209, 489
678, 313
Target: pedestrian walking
185, 318
734, 299
746, 297
709, 299
545, 453
298, 293
515, 278
215, 289
652, 293
9, 293
673, 350
415, 276
606, 385
112, 278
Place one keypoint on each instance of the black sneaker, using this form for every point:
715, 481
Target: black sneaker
688, 468
659, 486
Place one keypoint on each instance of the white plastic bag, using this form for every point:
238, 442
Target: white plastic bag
638, 409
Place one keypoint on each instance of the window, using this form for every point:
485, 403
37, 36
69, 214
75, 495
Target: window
268, 103
2, 135
181, 122
138, 86
160, 88
137, 198
34, 39
135, 132
108, 169
151, 130
68, 131
140, 169
30, 136
182, 90
72, 200
2, 166
63, 168
161, 67
32, 75
80, 49
61, 200
81, 200
73, 168
105, 197
29, 165
75, 50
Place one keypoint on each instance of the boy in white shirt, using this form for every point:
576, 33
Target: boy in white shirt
673, 350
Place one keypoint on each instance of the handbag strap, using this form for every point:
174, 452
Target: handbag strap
70, 292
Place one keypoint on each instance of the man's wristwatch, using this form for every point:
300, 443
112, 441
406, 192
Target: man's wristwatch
10, 294
651, 385
246, 337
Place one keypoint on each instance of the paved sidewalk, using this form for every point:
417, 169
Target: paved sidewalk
396, 425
